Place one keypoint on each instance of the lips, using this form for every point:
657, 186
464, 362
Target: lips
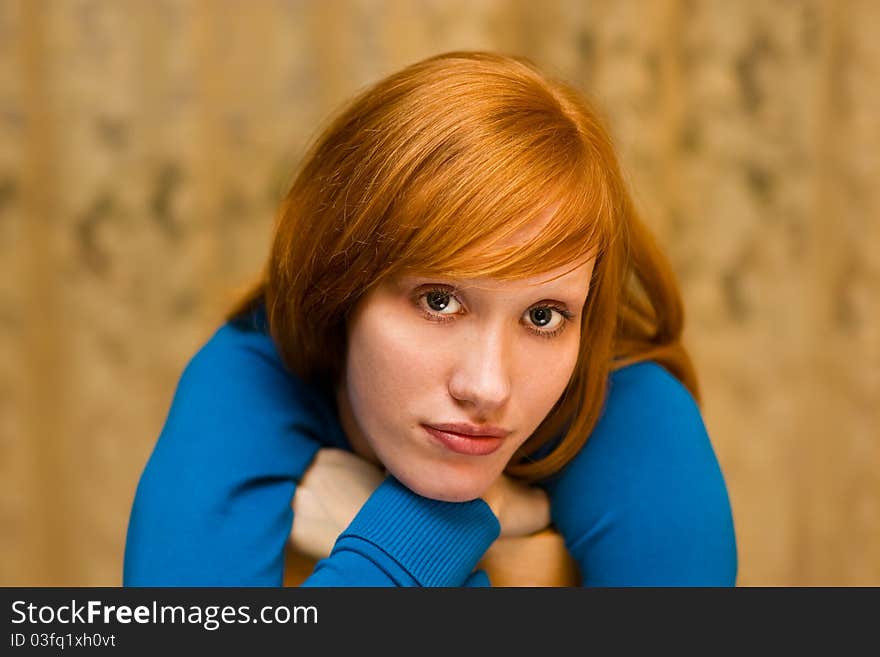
475, 430
471, 445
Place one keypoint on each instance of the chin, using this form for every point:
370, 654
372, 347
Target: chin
456, 487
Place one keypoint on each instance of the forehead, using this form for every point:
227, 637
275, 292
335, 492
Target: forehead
569, 276
573, 279
529, 231
511, 256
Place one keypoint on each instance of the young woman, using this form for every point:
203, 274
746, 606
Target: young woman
464, 334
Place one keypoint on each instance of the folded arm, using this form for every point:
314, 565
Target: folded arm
212, 507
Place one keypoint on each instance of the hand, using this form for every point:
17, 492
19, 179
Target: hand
539, 559
520, 509
334, 488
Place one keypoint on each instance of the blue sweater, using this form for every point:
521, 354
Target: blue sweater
644, 502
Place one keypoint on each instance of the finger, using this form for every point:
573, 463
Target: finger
527, 513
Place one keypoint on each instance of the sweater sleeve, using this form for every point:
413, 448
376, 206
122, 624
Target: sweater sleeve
644, 503
212, 507
400, 538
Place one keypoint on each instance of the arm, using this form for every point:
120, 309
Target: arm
212, 507
338, 484
399, 538
644, 503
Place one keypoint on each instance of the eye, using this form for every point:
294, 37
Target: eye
546, 321
438, 301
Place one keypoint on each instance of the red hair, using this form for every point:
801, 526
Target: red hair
438, 162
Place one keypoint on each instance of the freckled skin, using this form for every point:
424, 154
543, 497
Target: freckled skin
484, 366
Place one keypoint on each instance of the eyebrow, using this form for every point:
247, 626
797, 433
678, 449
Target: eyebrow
465, 285
575, 297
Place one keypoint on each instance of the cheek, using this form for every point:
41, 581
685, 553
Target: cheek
388, 366
543, 375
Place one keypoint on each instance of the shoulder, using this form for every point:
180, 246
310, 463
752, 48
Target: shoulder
234, 352
240, 417
650, 421
645, 500
648, 386
213, 502
237, 380
242, 360
650, 404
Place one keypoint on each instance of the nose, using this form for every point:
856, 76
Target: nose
481, 378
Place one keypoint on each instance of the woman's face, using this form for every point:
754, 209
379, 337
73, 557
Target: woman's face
424, 352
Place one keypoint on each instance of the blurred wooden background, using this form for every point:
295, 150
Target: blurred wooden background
144, 146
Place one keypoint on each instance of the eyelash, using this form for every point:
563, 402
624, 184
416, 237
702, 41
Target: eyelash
434, 317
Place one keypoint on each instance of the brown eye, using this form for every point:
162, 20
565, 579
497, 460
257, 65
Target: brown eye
546, 318
439, 302
540, 316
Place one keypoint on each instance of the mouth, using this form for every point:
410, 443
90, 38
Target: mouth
464, 444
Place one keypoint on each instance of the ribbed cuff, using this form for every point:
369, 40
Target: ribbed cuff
438, 543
